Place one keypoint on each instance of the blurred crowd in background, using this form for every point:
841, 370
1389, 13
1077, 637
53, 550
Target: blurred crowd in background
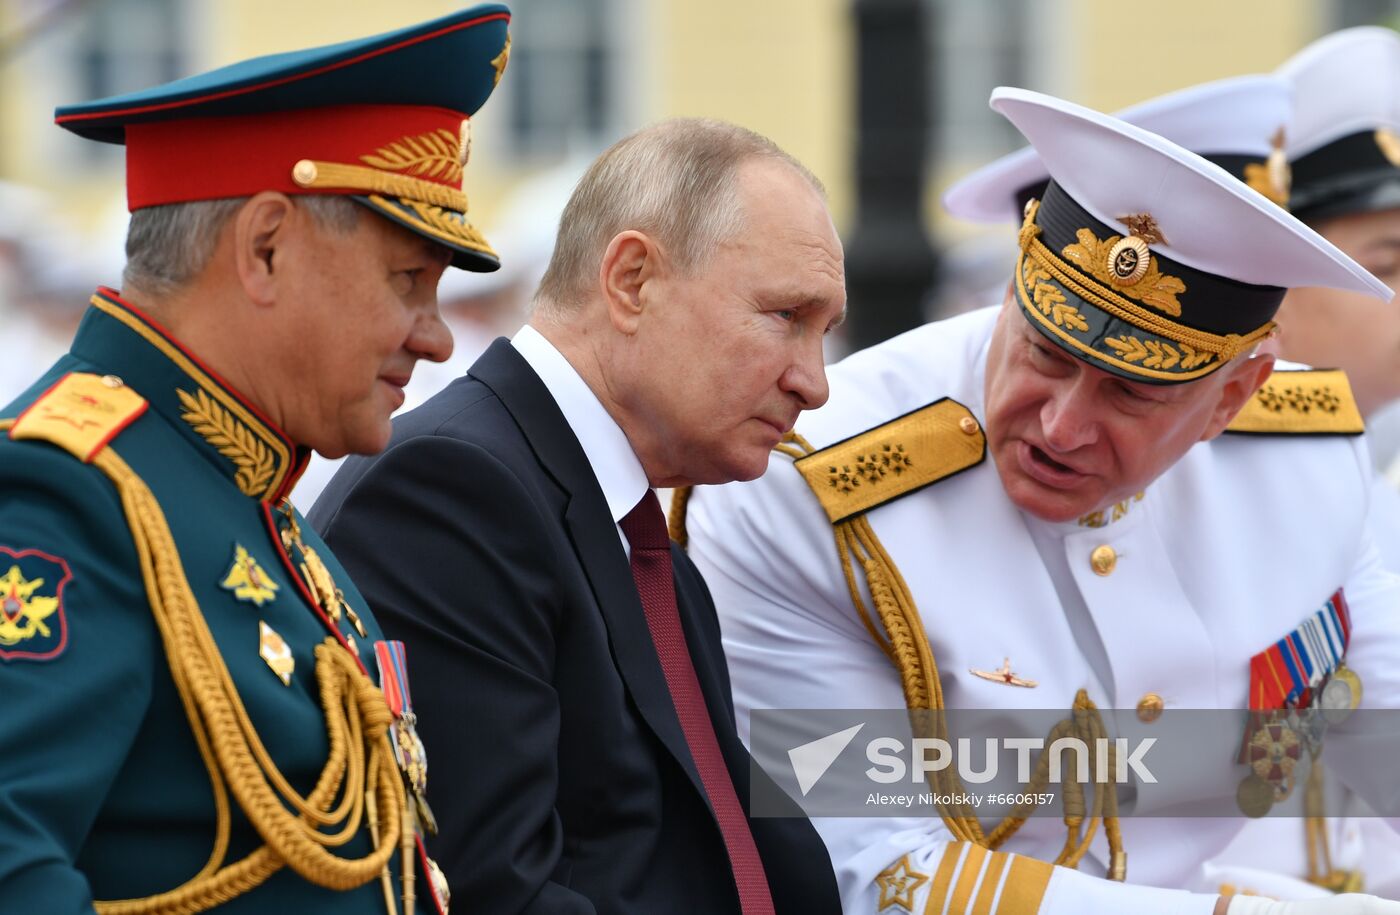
583, 73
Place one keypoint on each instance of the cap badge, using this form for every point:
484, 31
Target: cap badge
1128, 259
1272, 178
465, 143
1389, 143
1142, 280
500, 61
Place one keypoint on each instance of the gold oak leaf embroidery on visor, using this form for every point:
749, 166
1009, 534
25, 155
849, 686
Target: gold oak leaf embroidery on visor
436, 154
1157, 354
1049, 299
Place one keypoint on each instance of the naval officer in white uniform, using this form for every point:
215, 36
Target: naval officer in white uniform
1117, 551
1241, 124
1344, 150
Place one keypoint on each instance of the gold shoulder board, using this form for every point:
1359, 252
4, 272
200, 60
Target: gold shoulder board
80, 414
894, 459
1305, 402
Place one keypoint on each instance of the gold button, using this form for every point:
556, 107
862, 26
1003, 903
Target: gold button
111, 381
1103, 560
304, 172
1150, 708
968, 425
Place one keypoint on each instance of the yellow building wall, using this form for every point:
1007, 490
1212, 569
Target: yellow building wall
780, 67
1122, 53
239, 29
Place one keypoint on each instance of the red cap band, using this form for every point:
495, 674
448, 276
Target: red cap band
212, 158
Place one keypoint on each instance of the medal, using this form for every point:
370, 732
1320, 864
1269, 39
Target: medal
1303, 675
319, 581
1341, 696
1254, 796
1274, 751
275, 652
439, 882
1310, 727
409, 752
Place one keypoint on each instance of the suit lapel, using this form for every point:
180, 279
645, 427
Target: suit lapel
594, 537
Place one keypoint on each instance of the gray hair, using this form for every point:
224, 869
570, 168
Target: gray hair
675, 181
167, 246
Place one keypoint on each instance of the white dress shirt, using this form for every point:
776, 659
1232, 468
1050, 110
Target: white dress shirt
609, 453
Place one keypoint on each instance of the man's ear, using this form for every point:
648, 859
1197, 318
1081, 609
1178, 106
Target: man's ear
1244, 379
261, 229
632, 259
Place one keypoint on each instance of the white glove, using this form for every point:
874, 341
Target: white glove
1345, 904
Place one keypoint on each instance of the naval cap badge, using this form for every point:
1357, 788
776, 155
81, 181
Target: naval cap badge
1128, 259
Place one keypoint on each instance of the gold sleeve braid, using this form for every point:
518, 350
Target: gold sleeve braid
900, 633
359, 766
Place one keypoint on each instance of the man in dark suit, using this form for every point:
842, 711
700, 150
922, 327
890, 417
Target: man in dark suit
578, 710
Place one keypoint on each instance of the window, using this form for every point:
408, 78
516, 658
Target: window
565, 72
78, 51
973, 48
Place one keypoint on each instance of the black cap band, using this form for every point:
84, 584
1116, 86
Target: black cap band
1162, 323
1356, 174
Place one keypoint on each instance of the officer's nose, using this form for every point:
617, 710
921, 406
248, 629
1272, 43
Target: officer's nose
431, 338
806, 376
1067, 419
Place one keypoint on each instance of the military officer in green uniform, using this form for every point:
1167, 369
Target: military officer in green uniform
200, 710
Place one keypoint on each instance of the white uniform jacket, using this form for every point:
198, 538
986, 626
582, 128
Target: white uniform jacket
1231, 549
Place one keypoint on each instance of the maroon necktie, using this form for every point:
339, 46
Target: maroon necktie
645, 527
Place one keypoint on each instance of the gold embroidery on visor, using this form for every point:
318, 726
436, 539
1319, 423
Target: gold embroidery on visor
1166, 350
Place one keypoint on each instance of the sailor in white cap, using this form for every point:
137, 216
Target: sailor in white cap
1116, 551
1240, 124
1344, 147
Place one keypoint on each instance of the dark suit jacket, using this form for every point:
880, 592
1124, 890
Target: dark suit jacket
558, 770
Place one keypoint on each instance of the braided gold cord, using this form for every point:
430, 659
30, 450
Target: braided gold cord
845, 546
902, 637
374, 181
907, 645
357, 717
675, 520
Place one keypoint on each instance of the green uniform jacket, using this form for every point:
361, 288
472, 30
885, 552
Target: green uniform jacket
103, 791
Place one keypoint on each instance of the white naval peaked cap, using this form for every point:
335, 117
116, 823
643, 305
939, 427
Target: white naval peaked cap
1343, 83
1345, 138
1209, 220
1146, 260
1232, 122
